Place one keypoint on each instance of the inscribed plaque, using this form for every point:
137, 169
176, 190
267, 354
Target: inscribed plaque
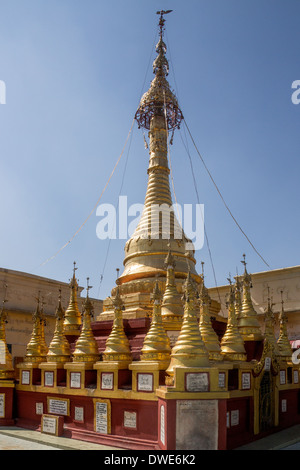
59, 407
145, 382
235, 417
39, 408
75, 379
79, 414
222, 377
296, 376
282, 377
49, 424
130, 419
2, 405
102, 416
25, 377
162, 425
197, 382
107, 381
283, 405
246, 381
49, 379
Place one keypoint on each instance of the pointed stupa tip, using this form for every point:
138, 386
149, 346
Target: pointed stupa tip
159, 99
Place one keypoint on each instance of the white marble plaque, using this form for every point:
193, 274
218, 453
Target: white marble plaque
283, 405
145, 382
268, 362
49, 379
107, 381
25, 378
79, 414
197, 382
2, 405
101, 418
222, 380
162, 425
75, 379
2, 352
130, 418
228, 419
235, 417
282, 377
296, 376
58, 407
49, 424
246, 381
39, 408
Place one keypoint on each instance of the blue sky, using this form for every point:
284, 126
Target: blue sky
74, 72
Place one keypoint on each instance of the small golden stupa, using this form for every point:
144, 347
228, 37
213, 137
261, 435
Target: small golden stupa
6, 363
44, 346
269, 326
72, 321
208, 334
156, 346
232, 343
238, 298
117, 347
35, 350
172, 306
248, 323
284, 346
86, 347
189, 350
59, 348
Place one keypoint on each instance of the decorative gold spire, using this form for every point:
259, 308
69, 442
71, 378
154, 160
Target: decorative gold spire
269, 325
117, 347
172, 306
86, 348
189, 350
283, 343
6, 364
208, 334
72, 321
248, 322
59, 348
237, 297
44, 347
156, 346
35, 351
232, 343
158, 231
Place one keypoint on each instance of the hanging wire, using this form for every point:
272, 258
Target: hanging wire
97, 203
109, 243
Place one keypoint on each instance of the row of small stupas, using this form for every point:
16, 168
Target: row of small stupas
198, 345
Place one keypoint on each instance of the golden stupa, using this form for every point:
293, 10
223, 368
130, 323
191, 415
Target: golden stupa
159, 230
269, 326
283, 343
189, 350
208, 334
59, 348
156, 346
35, 350
248, 323
232, 343
6, 363
117, 347
86, 347
72, 320
172, 306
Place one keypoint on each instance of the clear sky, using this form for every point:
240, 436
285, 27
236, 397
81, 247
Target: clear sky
74, 72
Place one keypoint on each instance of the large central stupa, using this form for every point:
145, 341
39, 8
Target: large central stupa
159, 231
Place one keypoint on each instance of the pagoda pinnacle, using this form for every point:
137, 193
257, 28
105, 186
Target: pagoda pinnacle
59, 348
72, 321
283, 343
248, 322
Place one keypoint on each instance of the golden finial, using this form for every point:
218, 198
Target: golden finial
156, 346
237, 295
248, 322
86, 348
189, 350
59, 348
72, 321
117, 348
208, 334
232, 343
284, 346
43, 324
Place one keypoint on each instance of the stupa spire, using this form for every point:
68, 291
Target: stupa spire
269, 325
86, 348
59, 348
232, 343
158, 231
283, 343
208, 334
6, 364
117, 347
35, 352
172, 306
189, 350
248, 322
72, 321
156, 346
